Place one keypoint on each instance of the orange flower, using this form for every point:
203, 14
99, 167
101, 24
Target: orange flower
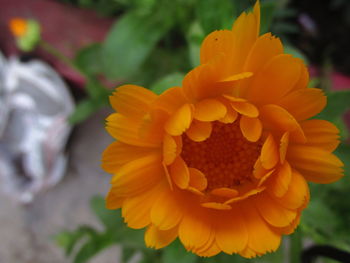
223, 161
18, 26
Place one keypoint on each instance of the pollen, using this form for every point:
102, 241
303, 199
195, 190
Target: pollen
18, 26
226, 158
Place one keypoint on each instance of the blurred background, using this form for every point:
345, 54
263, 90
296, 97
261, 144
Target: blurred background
60, 60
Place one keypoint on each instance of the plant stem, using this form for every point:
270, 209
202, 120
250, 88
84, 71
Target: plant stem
296, 246
57, 54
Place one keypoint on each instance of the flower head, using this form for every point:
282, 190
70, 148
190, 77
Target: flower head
223, 161
26, 32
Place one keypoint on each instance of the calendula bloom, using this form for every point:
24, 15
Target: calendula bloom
223, 161
26, 31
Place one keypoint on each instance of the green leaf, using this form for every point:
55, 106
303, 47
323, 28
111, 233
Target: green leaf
92, 247
267, 14
215, 15
337, 105
171, 80
176, 253
69, 239
195, 37
83, 110
131, 39
89, 59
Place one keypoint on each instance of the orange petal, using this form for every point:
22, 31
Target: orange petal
231, 232
147, 170
297, 194
269, 153
303, 80
171, 148
224, 192
210, 251
152, 126
113, 201
304, 103
126, 130
245, 195
170, 100
264, 49
235, 77
215, 205
209, 110
284, 146
179, 173
166, 212
320, 133
131, 100
246, 109
194, 233
136, 210
246, 30
262, 238
275, 79
197, 179
180, 121
118, 153
281, 181
315, 164
277, 119
251, 128
155, 238
230, 117
274, 213
221, 41
199, 131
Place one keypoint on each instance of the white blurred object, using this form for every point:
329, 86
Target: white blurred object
34, 108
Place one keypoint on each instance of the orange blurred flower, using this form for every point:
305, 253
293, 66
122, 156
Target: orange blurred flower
18, 26
223, 161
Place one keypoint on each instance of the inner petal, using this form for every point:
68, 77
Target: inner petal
226, 158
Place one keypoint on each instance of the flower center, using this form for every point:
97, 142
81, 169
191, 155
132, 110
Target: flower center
226, 158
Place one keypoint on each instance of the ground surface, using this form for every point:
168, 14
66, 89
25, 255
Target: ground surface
26, 231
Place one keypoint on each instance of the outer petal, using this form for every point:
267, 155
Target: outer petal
166, 212
246, 29
262, 238
157, 239
275, 79
113, 201
231, 232
315, 164
195, 233
304, 103
147, 170
217, 42
297, 194
131, 100
137, 209
264, 49
274, 213
278, 120
320, 133
279, 183
118, 153
170, 100
126, 130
